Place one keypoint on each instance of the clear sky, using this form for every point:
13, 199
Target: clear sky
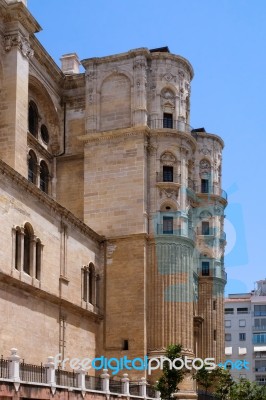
225, 42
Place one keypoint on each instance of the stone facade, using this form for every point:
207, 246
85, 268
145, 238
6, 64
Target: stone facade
103, 179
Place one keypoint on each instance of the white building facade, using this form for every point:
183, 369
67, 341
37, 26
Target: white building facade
245, 334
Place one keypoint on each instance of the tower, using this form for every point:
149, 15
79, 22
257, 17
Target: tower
152, 187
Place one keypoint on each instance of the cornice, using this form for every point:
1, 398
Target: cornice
186, 137
43, 198
209, 136
50, 297
113, 134
20, 13
128, 237
44, 59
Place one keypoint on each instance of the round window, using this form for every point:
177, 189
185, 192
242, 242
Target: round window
44, 134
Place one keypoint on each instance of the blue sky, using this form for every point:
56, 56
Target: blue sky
225, 42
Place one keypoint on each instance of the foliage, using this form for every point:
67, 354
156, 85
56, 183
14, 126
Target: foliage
205, 378
247, 390
168, 382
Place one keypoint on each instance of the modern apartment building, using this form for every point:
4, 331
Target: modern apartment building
245, 332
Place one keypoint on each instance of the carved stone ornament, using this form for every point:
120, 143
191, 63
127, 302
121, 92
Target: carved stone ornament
169, 77
205, 214
168, 158
140, 63
91, 75
205, 165
169, 193
204, 150
17, 40
167, 94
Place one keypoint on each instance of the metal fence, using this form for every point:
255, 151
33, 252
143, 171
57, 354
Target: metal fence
4, 368
66, 378
134, 388
115, 386
33, 373
150, 391
93, 382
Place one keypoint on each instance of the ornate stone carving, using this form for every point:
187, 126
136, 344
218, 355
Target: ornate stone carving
17, 40
205, 166
169, 77
167, 94
91, 75
169, 193
205, 214
168, 158
204, 150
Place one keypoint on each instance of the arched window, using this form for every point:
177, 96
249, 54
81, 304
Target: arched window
33, 119
89, 279
27, 249
44, 134
44, 176
32, 167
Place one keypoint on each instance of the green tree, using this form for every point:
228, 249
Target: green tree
170, 379
247, 390
205, 378
224, 384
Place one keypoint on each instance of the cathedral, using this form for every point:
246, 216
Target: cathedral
111, 205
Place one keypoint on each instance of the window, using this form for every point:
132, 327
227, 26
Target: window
260, 310
205, 228
90, 284
33, 119
242, 337
44, 134
168, 120
168, 223
168, 173
38, 260
229, 311
44, 177
204, 186
27, 250
17, 248
259, 338
125, 344
227, 323
228, 337
32, 167
214, 305
214, 334
205, 268
242, 322
242, 310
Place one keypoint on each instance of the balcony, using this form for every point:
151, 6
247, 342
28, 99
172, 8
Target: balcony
259, 328
162, 178
169, 124
176, 232
211, 190
215, 232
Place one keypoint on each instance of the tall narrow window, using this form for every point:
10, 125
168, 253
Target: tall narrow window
44, 177
32, 167
91, 284
168, 223
17, 248
168, 120
205, 228
33, 119
205, 268
38, 260
27, 248
204, 186
168, 175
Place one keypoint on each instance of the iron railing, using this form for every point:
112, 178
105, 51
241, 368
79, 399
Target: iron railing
169, 124
33, 373
115, 386
66, 378
150, 392
134, 388
4, 368
161, 178
177, 232
93, 382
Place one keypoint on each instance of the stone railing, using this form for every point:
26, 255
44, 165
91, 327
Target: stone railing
12, 370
